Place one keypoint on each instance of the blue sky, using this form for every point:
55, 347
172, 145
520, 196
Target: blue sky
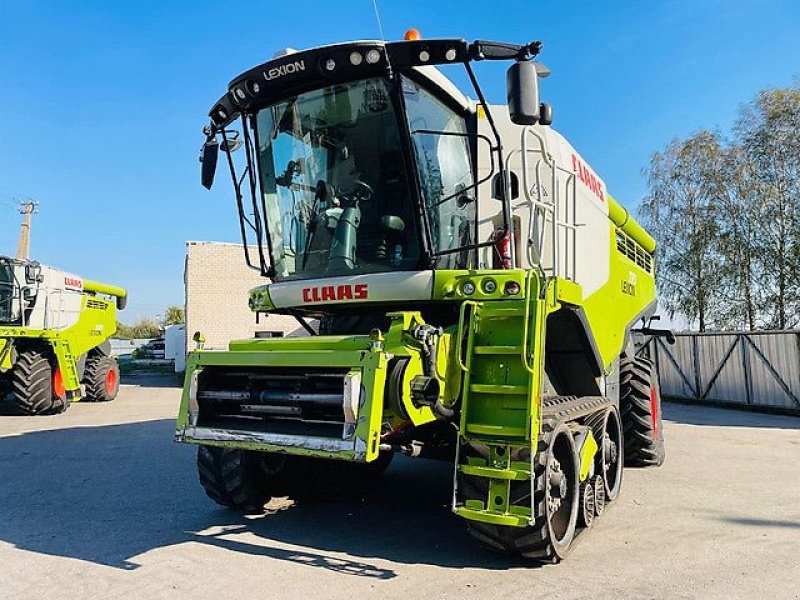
103, 102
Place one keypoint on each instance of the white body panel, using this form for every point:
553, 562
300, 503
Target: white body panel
375, 287
553, 179
57, 303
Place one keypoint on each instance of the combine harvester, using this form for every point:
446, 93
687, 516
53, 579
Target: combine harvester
54, 331
474, 282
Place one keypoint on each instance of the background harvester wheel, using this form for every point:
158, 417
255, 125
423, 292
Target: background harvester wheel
606, 428
32, 385
556, 500
101, 377
239, 479
640, 408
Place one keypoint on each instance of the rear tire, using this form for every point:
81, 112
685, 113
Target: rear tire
237, 478
640, 409
32, 385
101, 377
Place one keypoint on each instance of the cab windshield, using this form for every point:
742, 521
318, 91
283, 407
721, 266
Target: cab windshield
6, 292
336, 191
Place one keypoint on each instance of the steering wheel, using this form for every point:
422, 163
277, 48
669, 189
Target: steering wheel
358, 192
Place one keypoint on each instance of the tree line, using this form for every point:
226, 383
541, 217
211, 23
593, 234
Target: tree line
725, 210
150, 327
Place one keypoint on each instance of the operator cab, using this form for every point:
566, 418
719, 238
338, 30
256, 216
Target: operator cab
360, 158
19, 286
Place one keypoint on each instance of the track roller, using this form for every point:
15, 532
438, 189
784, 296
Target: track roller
555, 488
607, 430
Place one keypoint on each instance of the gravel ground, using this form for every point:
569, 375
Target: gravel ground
100, 503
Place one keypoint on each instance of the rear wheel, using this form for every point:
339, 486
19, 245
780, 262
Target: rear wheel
239, 479
556, 501
101, 377
640, 408
34, 385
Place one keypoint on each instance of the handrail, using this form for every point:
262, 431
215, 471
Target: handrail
459, 339
526, 325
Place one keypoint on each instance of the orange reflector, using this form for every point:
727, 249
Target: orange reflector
412, 34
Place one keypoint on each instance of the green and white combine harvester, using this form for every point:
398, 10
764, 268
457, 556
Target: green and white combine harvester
54, 331
474, 283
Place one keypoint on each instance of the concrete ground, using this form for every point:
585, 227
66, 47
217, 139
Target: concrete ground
100, 503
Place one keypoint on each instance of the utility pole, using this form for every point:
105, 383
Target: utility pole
27, 208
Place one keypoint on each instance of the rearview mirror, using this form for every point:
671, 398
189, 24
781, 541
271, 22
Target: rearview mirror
522, 87
208, 159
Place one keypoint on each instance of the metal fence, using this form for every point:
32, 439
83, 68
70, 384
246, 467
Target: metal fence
756, 368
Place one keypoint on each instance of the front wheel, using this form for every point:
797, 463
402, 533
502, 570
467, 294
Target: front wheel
36, 387
238, 479
101, 377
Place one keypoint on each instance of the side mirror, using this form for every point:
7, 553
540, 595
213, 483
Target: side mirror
33, 273
208, 160
522, 87
545, 114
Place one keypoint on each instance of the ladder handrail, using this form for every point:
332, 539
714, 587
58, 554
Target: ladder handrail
459, 340
526, 324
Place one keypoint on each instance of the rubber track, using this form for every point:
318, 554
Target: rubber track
532, 541
32, 385
642, 448
232, 478
98, 364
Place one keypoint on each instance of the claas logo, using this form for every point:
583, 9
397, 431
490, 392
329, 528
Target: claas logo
326, 293
73, 283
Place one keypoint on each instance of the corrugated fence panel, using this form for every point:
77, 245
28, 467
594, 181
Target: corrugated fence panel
776, 386
676, 373
750, 368
723, 353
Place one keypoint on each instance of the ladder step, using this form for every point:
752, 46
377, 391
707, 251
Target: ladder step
496, 350
474, 510
485, 388
503, 431
500, 313
492, 473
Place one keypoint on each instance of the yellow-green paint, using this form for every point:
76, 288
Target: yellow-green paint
587, 452
628, 293
620, 216
97, 322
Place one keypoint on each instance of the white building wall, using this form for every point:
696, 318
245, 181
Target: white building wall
217, 283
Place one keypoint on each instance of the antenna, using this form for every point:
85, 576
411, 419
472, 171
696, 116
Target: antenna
383, 37
27, 208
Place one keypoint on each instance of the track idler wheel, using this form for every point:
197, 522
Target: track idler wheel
607, 431
587, 511
599, 487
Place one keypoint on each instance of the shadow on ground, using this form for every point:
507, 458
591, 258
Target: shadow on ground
108, 494
724, 417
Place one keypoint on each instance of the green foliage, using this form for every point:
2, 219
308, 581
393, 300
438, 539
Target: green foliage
726, 214
174, 315
141, 329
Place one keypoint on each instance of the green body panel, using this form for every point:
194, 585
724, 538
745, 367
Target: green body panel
489, 364
629, 294
96, 323
620, 216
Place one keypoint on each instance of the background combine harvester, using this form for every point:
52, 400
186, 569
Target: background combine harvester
475, 284
54, 331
